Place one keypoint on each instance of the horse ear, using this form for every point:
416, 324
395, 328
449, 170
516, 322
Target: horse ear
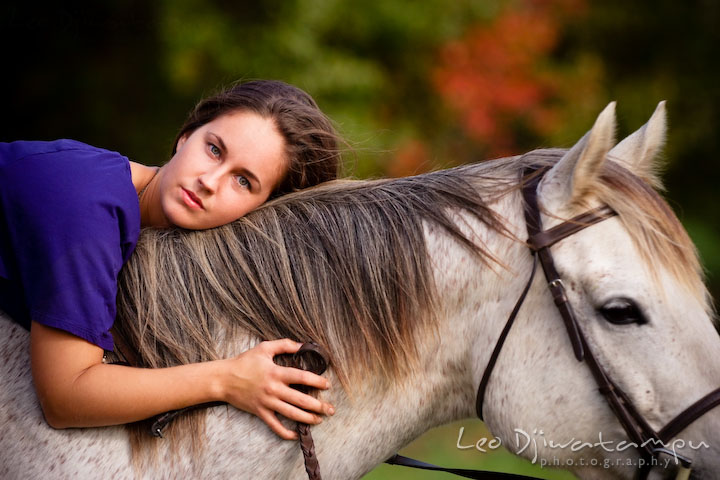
639, 151
574, 175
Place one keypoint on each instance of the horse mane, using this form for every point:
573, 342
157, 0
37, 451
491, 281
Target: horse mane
343, 265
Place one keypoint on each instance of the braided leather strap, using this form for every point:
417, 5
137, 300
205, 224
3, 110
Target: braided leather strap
313, 358
163, 420
312, 466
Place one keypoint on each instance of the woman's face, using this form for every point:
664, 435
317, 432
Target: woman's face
221, 171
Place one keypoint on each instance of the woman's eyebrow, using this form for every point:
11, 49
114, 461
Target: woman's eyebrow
219, 140
252, 177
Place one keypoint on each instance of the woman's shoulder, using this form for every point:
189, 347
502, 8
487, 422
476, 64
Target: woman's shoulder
62, 161
67, 175
67, 190
23, 149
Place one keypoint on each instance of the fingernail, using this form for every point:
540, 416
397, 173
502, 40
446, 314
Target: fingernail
331, 410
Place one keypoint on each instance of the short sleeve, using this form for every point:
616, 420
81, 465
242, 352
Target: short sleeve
69, 216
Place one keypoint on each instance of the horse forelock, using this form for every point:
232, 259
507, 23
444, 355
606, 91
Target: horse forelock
657, 233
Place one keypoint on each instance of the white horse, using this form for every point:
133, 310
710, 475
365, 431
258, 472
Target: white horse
633, 281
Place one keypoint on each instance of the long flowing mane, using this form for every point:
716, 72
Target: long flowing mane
344, 265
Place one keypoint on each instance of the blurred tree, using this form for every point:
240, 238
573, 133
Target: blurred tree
665, 50
503, 80
366, 63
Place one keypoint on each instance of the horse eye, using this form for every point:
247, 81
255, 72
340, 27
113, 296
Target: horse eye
622, 311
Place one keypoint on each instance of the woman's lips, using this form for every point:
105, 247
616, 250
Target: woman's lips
192, 200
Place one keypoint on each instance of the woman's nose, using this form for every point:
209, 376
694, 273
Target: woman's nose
210, 180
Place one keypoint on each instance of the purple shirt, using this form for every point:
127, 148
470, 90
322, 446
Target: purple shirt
69, 220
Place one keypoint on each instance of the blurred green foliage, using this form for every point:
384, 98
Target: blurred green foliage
440, 447
122, 74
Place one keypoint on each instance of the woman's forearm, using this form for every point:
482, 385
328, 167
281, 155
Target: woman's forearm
113, 394
77, 390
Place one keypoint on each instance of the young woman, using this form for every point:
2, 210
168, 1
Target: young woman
70, 216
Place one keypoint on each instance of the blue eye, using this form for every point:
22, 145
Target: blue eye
215, 150
242, 181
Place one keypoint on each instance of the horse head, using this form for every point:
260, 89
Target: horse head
635, 286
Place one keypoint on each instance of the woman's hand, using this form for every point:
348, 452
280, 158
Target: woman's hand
256, 384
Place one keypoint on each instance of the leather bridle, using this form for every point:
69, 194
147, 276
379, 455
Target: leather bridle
650, 444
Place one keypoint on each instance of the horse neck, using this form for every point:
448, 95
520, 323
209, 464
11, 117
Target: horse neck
473, 307
476, 301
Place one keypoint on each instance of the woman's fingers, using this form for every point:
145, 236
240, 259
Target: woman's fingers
267, 390
306, 402
292, 375
268, 416
294, 413
296, 376
276, 347
302, 400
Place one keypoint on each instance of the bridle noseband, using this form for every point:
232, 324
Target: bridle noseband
650, 444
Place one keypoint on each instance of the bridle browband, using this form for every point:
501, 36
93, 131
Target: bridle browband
650, 444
